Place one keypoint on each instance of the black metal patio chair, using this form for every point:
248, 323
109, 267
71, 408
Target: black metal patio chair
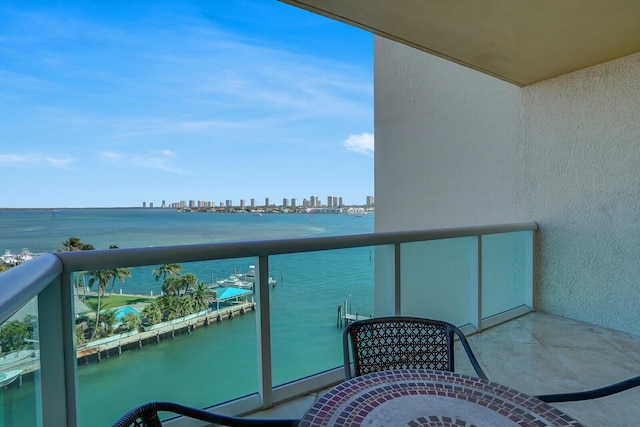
591, 394
385, 343
147, 416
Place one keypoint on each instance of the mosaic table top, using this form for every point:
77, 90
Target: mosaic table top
415, 397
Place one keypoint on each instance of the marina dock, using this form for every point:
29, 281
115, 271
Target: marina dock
95, 351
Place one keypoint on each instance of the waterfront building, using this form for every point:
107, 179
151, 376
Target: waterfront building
285, 202
151, 205
229, 203
144, 204
294, 202
242, 203
266, 202
253, 202
314, 201
164, 205
370, 200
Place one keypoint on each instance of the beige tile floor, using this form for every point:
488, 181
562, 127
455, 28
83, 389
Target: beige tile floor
541, 353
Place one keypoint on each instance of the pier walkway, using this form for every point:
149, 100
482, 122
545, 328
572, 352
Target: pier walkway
115, 345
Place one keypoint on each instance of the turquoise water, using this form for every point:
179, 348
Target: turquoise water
218, 362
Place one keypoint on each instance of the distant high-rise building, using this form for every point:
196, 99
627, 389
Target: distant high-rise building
285, 202
266, 202
340, 202
294, 202
242, 203
144, 204
164, 204
229, 203
253, 202
306, 203
370, 200
151, 205
314, 202
192, 203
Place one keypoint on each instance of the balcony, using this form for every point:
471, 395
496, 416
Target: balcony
484, 277
540, 353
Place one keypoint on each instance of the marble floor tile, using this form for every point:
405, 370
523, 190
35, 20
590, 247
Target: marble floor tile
540, 353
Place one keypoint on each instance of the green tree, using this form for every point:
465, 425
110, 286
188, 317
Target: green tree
171, 285
166, 270
14, 334
107, 321
202, 296
75, 244
102, 279
187, 282
119, 273
153, 313
130, 322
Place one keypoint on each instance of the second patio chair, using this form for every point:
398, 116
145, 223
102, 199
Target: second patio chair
385, 343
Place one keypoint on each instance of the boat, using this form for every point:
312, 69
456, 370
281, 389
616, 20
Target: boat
8, 377
14, 259
15, 358
8, 258
243, 280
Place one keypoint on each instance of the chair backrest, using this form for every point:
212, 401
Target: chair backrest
147, 416
385, 343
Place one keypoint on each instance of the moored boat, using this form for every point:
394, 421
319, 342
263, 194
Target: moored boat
8, 377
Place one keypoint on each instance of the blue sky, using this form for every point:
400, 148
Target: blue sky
115, 103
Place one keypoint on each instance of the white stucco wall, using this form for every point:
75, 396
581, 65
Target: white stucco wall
455, 147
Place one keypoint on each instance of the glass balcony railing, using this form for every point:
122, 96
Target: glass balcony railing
247, 351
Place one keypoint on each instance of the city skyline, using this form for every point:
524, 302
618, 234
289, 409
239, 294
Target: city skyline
312, 201
104, 104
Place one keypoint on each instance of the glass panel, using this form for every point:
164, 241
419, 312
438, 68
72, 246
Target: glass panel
193, 359
506, 262
439, 280
306, 329
19, 363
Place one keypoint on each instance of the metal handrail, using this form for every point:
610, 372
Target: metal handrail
23, 282
111, 258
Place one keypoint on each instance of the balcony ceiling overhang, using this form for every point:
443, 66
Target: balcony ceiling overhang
520, 41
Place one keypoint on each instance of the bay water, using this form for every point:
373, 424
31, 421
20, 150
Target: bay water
218, 362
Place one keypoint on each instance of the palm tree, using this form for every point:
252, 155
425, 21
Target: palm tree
202, 296
171, 285
187, 282
166, 270
118, 273
75, 244
102, 278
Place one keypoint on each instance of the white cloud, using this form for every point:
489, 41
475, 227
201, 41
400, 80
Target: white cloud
60, 162
153, 160
19, 160
111, 156
362, 143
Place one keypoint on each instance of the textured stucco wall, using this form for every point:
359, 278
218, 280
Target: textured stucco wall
455, 147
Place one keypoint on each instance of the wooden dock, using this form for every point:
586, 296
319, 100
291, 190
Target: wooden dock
113, 346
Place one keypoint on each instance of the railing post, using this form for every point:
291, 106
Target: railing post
397, 279
58, 362
479, 309
263, 331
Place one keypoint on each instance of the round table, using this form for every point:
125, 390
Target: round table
416, 397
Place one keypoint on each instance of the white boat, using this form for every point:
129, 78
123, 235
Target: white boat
8, 377
14, 259
243, 280
8, 258
15, 358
